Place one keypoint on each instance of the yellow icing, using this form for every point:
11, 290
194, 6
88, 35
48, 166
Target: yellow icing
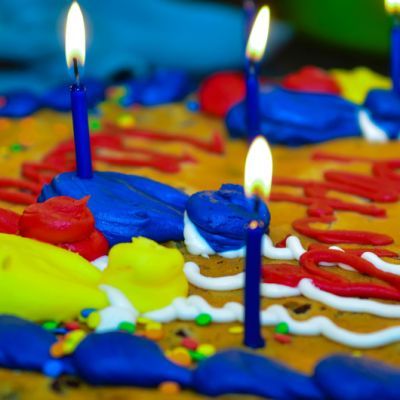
355, 84
150, 275
39, 281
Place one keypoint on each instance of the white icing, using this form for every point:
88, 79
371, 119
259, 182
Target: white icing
369, 129
188, 308
305, 288
119, 310
197, 245
381, 264
100, 263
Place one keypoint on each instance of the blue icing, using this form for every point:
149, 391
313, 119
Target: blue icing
121, 359
163, 86
384, 108
23, 344
221, 216
296, 118
342, 377
19, 104
236, 371
125, 206
59, 98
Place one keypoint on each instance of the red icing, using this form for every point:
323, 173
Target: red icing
311, 79
219, 92
9, 221
57, 220
338, 236
62, 221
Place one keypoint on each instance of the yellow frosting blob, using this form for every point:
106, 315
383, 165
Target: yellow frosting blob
149, 275
355, 84
39, 281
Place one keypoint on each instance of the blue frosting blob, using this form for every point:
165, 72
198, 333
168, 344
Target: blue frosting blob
59, 98
296, 118
384, 108
118, 358
221, 216
23, 344
125, 206
19, 104
236, 371
163, 86
342, 377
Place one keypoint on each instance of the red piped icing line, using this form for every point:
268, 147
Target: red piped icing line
291, 275
62, 159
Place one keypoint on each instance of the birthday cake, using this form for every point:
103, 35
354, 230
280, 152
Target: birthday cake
135, 276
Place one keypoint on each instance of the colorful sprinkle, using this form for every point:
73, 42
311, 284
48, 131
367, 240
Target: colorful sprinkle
235, 330
169, 388
192, 105
180, 356
95, 124
50, 325
87, 311
189, 343
93, 320
126, 121
206, 349
53, 368
16, 147
154, 334
282, 327
196, 356
128, 327
203, 319
57, 350
283, 339
72, 325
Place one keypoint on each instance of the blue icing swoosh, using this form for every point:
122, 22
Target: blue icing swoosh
23, 344
163, 86
295, 118
19, 104
342, 377
384, 108
221, 216
121, 359
125, 206
236, 371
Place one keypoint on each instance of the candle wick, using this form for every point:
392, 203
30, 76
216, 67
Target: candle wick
76, 70
256, 204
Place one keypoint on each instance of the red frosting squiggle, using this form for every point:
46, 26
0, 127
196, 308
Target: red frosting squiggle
62, 221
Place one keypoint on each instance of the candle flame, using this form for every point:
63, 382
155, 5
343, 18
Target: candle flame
75, 36
392, 6
258, 38
258, 169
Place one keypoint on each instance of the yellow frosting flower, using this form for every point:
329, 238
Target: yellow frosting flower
149, 275
39, 281
355, 84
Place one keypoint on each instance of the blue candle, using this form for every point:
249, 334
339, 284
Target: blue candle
252, 101
252, 302
81, 131
255, 49
250, 10
75, 38
395, 55
257, 186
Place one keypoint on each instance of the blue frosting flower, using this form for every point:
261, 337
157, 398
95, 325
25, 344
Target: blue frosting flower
125, 206
221, 216
384, 107
296, 118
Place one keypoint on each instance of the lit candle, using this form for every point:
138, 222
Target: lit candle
254, 53
393, 8
257, 184
75, 55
